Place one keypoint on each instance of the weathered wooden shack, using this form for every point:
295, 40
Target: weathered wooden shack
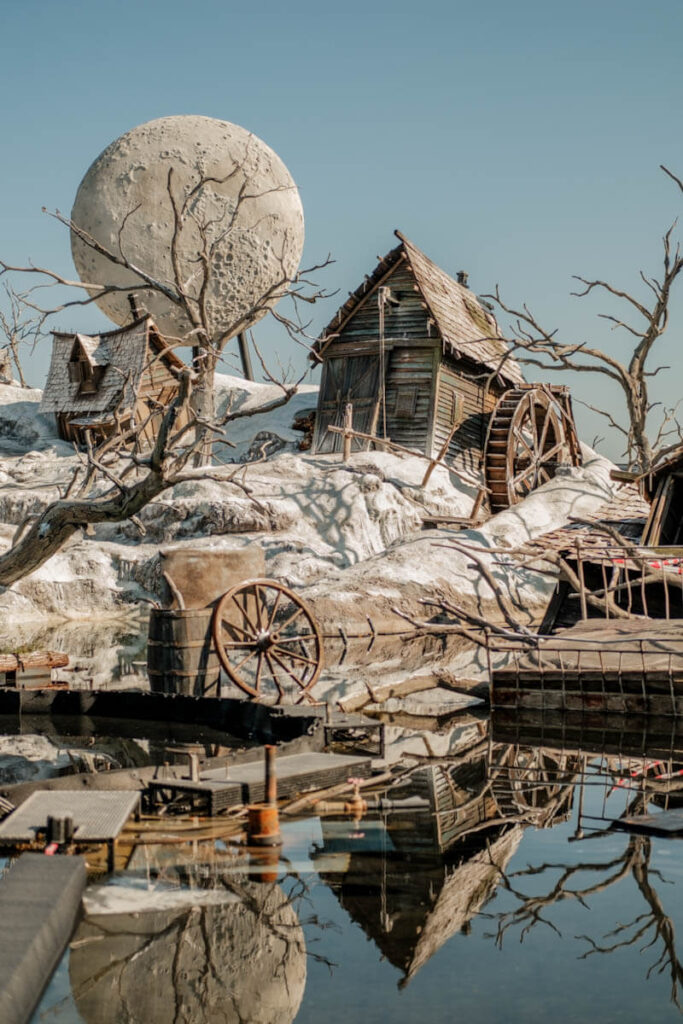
98, 384
421, 361
416, 353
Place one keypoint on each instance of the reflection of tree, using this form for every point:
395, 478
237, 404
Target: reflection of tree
654, 925
240, 959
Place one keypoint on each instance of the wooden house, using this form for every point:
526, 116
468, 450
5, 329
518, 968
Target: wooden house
98, 384
417, 355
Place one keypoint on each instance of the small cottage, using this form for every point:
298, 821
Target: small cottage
98, 384
418, 356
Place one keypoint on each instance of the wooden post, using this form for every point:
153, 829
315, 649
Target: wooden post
348, 428
245, 357
582, 585
478, 502
433, 463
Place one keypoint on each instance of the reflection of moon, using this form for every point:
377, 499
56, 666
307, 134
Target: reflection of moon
241, 961
253, 249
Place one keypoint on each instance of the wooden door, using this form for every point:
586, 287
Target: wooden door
345, 379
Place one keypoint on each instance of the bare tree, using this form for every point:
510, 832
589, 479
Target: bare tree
651, 927
534, 345
18, 327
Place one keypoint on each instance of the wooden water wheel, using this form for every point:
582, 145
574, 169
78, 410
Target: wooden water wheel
530, 433
268, 641
531, 783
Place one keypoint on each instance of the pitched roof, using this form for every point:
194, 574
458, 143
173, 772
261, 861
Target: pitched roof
671, 462
122, 356
466, 328
96, 349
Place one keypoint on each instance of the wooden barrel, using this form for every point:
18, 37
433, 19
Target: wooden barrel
180, 654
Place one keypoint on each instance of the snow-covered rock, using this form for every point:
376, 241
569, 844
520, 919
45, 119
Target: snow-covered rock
348, 536
22, 425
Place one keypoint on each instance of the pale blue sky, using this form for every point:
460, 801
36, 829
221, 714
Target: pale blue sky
518, 141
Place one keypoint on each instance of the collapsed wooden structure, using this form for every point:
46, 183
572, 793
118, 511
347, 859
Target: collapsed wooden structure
101, 384
612, 637
632, 666
422, 362
663, 485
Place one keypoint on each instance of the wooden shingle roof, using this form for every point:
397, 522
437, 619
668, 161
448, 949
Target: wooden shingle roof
467, 329
122, 356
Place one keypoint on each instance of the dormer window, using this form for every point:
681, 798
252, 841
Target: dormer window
81, 372
83, 369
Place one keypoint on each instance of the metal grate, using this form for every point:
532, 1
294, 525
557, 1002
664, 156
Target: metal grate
98, 817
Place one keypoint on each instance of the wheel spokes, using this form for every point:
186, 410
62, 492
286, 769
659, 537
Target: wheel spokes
292, 675
227, 625
544, 431
289, 621
243, 611
274, 675
251, 654
271, 618
547, 456
251, 646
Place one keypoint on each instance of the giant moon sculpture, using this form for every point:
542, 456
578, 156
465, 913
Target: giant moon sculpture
240, 208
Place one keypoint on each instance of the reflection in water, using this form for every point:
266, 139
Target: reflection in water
616, 769
244, 960
444, 846
651, 928
499, 840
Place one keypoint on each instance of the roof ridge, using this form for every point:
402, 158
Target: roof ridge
108, 334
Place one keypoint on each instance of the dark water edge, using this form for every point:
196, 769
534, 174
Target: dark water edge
496, 892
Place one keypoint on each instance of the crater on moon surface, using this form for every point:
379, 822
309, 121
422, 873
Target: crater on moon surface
241, 209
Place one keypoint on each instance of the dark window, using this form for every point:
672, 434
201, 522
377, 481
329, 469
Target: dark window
406, 402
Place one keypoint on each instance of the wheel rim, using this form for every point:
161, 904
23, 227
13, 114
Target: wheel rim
268, 641
526, 441
536, 441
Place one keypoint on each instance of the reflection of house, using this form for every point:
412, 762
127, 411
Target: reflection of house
100, 384
424, 340
418, 871
433, 866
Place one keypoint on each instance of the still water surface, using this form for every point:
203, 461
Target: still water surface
492, 889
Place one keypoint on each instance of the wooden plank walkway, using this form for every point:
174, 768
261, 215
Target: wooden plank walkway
630, 666
39, 900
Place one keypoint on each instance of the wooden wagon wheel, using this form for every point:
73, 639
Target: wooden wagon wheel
526, 442
268, 641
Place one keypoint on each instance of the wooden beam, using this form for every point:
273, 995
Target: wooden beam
347, 431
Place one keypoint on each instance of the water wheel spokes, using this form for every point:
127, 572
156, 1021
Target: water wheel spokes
268, 641
526, 442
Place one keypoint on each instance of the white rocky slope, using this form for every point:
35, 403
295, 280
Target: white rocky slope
349, 536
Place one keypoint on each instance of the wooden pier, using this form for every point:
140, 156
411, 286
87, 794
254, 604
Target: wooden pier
627, 666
